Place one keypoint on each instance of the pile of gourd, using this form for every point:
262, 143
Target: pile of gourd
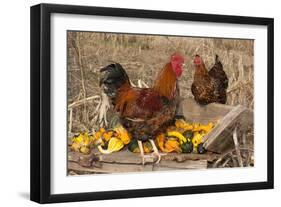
182, 137
106, 141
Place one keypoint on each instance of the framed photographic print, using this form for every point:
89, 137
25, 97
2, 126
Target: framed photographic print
132, 103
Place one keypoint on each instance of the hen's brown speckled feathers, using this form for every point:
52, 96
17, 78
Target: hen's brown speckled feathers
218, 74
209, 87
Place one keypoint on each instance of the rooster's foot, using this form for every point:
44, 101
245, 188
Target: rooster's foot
150, 158
156, 153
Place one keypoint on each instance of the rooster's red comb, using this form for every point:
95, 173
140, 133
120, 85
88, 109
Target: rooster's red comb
178, 57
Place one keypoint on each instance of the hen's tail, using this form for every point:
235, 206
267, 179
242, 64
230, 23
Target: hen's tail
218, 63
218, 73
112, 78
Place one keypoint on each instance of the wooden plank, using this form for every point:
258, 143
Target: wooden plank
195, 112
109, 168
121, 168
127, 157
188, 164
124, 157
223, 123
82, 159
237, 148
76, 167
190, 156
125, 161
124, 168
224, 116
220, 138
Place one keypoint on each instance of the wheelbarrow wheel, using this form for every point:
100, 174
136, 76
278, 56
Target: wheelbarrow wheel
231, 159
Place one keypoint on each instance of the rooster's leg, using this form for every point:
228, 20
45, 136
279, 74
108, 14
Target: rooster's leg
149, 158
156, 152
141, 151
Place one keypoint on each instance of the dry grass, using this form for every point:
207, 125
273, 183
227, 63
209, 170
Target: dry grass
143, 56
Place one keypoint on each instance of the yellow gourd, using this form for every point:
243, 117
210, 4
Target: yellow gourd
122, 134
181, 124
114, 145
181, 138
207, 127
197, 139
85, 150
82, 143
75, 147
196, 127
78, 139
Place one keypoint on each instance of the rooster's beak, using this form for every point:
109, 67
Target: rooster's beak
102, 79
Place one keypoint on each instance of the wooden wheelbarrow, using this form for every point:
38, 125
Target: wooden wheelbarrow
232, 124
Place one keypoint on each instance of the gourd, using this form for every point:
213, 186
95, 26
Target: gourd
187, 147
114, 145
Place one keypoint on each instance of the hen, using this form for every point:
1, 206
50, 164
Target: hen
144, 112
209, 86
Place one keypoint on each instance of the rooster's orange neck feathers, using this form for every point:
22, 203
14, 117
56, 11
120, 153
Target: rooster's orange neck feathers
166, 81
164, 85
125, 94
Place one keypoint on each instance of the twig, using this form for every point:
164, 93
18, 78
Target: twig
139, 83
142, 84
225, 162
70, 120
237, 148
82, 101
244, 140
78, 79
238, 85
132, 84
76, 45
103, 109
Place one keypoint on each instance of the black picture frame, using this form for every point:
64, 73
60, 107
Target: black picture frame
41, 99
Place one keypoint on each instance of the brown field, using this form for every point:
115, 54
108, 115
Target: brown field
143, 56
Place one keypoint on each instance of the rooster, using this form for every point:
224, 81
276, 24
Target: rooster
144, 112
209, 86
